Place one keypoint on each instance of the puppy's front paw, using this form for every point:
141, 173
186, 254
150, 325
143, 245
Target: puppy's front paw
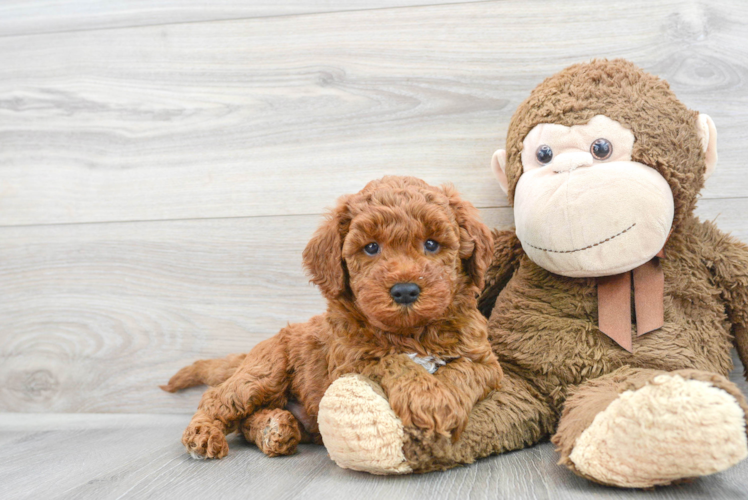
457, 420
205, 441
436, 411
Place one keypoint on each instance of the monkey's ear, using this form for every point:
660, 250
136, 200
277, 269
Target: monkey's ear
476, 241
708, 134
498, 167
323, 255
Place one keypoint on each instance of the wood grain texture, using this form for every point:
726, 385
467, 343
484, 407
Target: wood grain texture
95, 316
278, 116
226, 140
139, 456
23, 17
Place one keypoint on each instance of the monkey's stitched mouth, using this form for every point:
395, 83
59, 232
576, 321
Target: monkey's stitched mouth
584, 248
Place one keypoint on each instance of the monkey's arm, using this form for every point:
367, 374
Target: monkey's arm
730, 267
512, 417
507, 251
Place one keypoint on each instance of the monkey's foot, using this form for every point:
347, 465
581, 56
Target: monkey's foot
668, 430
359, 429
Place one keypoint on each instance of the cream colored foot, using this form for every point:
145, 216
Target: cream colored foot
668, 430
359, 429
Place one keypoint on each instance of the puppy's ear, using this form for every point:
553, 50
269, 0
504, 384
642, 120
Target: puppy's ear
323, 255
476, 241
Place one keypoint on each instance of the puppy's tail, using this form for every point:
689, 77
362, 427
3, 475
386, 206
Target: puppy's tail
205, 371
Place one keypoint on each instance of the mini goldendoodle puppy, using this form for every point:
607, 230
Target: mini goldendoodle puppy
400, 264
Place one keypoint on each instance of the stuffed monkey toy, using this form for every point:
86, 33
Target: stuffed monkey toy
613, 309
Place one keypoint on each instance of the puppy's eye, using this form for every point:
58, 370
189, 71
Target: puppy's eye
430, 246
544, 154
601, 149
371, 249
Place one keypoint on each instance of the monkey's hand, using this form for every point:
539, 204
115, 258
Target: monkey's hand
507, 251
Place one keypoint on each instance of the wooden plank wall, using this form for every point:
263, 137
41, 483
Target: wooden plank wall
161, 169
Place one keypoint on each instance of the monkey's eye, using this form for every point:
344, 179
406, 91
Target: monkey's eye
601, 149
544, 154
371, 249
431, 246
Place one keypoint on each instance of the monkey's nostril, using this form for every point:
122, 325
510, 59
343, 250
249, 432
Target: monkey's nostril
405, 293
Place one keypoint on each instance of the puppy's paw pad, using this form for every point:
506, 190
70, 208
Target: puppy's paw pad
668, 430
205, 442
279, 436
359, 428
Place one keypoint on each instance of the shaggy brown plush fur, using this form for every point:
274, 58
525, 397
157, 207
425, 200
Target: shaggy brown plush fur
663, 126
364, 331
543, 327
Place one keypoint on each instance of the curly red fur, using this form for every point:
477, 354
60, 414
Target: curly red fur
364, 331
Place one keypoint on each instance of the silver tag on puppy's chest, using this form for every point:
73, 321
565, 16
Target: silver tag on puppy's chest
430, 363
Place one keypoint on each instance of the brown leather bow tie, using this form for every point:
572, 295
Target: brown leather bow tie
614, 302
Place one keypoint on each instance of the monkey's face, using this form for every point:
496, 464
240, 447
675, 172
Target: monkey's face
582, 207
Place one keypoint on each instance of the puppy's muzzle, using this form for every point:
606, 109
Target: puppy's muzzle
405, 293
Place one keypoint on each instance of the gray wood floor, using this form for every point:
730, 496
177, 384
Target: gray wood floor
112, 456
163, 163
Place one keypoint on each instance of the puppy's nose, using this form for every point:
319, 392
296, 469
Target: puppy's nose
405, 293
